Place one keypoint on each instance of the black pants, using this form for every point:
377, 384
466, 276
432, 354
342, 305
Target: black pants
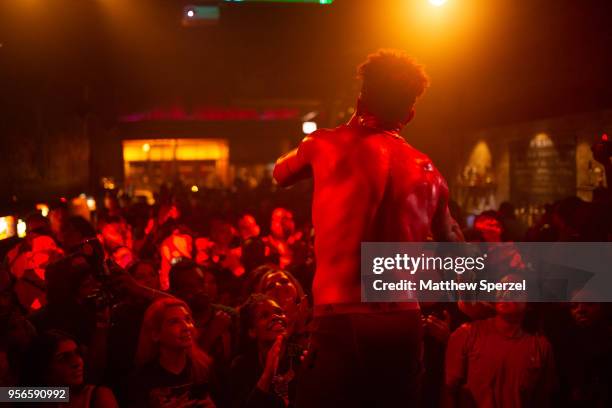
363, 360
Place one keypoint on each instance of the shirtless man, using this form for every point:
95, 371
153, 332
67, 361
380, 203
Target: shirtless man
369, 185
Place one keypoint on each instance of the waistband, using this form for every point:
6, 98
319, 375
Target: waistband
364, 308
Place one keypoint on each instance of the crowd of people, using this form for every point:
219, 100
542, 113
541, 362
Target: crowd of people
204, 300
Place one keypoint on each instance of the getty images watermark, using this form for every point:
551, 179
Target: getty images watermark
542, 271
457, 264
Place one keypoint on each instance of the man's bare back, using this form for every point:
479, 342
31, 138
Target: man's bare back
369, 185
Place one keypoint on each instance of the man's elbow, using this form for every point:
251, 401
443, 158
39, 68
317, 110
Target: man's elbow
446, 229
455, 234
280, 175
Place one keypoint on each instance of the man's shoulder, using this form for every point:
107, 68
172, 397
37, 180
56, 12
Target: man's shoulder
418, 160
316, 140
412, 152
324, 133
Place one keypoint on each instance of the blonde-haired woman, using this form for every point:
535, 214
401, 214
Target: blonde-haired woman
172, 372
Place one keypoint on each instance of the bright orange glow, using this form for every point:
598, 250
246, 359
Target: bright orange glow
81, 206
108, 183
91, 204
43, 208
436, 36
541, 140
175, 149
7, 227
21, 228
437, 3
480, 160
309, 127
148, 194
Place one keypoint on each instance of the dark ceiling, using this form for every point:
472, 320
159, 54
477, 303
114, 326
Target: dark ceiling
491, 62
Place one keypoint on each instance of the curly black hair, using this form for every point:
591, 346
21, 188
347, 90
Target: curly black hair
392, 82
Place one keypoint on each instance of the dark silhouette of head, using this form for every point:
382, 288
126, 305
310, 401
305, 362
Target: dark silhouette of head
392, 82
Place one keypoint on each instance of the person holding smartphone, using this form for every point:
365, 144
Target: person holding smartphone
264, 375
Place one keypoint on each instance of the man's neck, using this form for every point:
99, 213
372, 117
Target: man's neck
353, 121
368, 121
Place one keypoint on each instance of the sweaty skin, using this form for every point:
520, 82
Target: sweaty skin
369, 185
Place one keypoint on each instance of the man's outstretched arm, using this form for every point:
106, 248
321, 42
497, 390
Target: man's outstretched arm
295, 165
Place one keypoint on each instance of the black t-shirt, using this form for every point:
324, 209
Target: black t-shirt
245, 373
153, 386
